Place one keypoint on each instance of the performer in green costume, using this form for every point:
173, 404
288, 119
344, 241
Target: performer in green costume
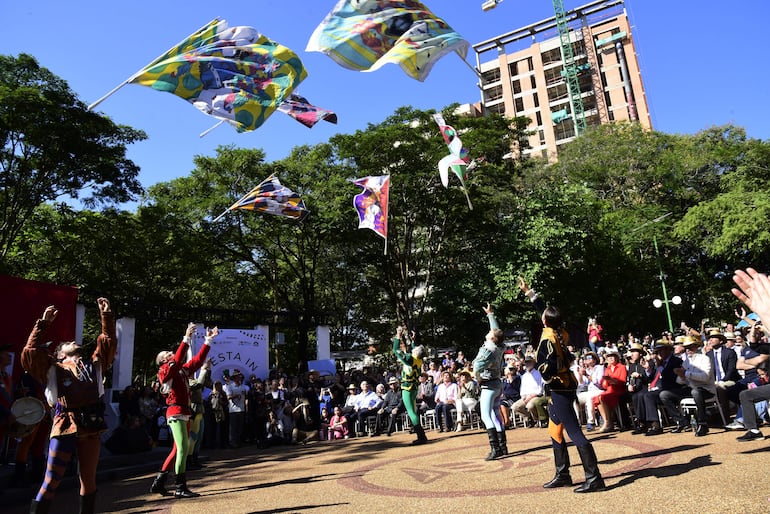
410, 357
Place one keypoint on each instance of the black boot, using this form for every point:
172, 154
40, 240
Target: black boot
594, 481
40, 507
192, 464
503, 440
421, 439
87, 503
197, 461
181, 487
19, 478
494, 445
561, 459
159, 484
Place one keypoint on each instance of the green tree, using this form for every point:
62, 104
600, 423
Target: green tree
52, 146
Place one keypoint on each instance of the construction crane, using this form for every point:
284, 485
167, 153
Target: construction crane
570, 72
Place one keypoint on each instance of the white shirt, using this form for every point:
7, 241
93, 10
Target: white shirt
238, 393
531, 383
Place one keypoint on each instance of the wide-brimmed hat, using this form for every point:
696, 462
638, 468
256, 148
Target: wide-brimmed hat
662, 343
392, 380
680, 339
637, 347
351, 386
592, 355
691, 341
730, 336
611, 351
715, 332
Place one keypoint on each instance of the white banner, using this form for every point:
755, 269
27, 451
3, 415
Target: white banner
234, 349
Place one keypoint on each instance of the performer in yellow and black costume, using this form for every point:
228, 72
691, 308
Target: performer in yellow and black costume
553, 362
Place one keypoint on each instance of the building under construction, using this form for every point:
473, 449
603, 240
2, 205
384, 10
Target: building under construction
575, 70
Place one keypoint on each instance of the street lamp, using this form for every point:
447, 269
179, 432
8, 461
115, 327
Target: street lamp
490, 4
676, 300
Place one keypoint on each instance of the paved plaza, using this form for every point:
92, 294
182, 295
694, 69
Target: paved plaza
667, 473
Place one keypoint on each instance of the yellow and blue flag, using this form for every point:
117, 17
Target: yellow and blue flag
234, 74
366, 34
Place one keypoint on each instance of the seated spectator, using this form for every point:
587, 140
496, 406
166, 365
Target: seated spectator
350, 400
305, 426
697, 373
531, 390
425, 393
468, 397
445, 397
614, 384
589, 386
511, 392
325, 421
392, 406
434, 373
274, 429
338, 425
664, 389
367, 404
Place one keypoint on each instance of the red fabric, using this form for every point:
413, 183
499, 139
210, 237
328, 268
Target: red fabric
178, 398
613, 389
23, 302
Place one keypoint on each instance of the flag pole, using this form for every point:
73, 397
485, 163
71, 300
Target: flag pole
211, 128
386, 245
132, 77
474, 70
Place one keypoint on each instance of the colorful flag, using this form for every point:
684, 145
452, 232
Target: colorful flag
234, 74
366, 34
457, 160
304, 112
372, 203
271, 197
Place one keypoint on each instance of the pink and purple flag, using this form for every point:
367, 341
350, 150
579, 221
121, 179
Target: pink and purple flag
372, 204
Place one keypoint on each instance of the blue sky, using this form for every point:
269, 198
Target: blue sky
702, 62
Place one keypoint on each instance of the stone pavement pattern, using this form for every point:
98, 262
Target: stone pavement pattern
667, 473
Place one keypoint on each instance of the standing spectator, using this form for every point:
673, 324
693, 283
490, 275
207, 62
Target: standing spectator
637, 378
553, 361
594, 331
148, 407
257, 411
446, 396
219, 415
236, 406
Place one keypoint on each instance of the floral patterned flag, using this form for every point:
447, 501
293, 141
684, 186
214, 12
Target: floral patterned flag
271, 197
366, 34
457, 160
372, 204
234, 74
304, 112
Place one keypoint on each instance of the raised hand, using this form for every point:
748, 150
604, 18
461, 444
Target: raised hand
753, 290
488, 308
50, 313
104, 304
523, 285
212, 332
190, 330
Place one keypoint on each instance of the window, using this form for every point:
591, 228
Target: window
516, 87
532, 82
490, 76
541, 135
536, 99
553, 75
530, 67
564, 130
539, 119
513, 68
551, 56
498, 108
518, 104
557, 92
578, 47
493, 93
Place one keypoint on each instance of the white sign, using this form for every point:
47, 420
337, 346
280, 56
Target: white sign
234, 349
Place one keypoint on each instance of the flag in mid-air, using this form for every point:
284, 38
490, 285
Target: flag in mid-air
271, 197
304, 112
372, 203
457, 160
234, 74
366, 34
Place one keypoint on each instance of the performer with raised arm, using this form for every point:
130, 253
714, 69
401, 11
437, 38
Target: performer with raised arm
74, 388
410, 357
174, 380
487, 368
553, 362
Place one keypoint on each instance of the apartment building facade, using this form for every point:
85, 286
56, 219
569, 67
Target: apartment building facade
523, 74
